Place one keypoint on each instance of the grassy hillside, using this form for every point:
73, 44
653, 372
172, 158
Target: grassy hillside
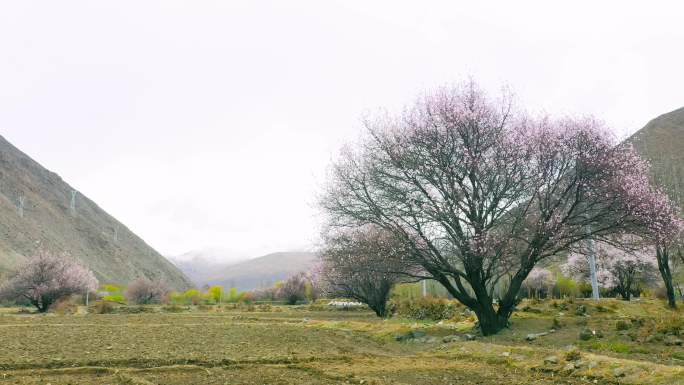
262, 271
106, 246
662, 142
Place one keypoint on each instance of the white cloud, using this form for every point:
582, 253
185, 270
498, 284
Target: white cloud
210, 124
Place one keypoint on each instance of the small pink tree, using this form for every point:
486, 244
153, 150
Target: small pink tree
293, 289
364, 264
539, 282
144, 291
623, 270
47, 278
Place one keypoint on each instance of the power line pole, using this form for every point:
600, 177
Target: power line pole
21, 206
592, 265
72, 206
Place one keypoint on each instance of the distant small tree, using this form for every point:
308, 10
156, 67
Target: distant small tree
145, 291
364, 264
539, 282
269, 294
622, 270
47, 278
313, 284
233, 295
193, 296
216, 293
293, 289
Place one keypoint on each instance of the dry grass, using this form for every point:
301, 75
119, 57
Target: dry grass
297, 345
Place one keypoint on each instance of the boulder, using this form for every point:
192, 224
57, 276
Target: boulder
534, 336
586, 334
451, 338
551, 360
673, 341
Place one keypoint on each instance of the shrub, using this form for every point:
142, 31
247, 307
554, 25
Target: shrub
566, 287
621, 325
573, 355
173, 309
102, 307
115, 298
64, 306
426, 308
193, 296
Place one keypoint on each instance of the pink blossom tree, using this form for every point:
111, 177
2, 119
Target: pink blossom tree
47, 278
483, 192
539, 282
363, 264
145, 291
623, 269
293, 289
663, 226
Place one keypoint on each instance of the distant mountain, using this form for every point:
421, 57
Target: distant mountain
36, 212
263, 271
199, 265
661, 141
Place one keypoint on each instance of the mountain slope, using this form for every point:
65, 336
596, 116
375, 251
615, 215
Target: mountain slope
661, 141
88, 233
263, 271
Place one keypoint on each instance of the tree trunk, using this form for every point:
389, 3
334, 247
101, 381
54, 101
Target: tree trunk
669, 288
380, 309
663, 257
490, 321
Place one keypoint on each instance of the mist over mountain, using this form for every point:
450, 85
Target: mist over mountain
247, 274
198, 265
40, 210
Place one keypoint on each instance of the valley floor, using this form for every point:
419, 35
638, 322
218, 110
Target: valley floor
313, 345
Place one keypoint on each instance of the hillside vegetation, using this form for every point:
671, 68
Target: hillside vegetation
662, 142
88, 233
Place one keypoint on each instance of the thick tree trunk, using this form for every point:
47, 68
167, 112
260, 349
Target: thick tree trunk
491, 322
380, 309
669, 288
663, 257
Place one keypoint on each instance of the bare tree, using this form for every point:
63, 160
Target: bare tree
483, 193
363, 264
144, 291
46, 278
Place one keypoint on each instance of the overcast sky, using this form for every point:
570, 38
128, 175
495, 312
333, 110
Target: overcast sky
211, 123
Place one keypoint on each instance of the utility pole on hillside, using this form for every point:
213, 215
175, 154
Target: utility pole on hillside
21, 206
72, 206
